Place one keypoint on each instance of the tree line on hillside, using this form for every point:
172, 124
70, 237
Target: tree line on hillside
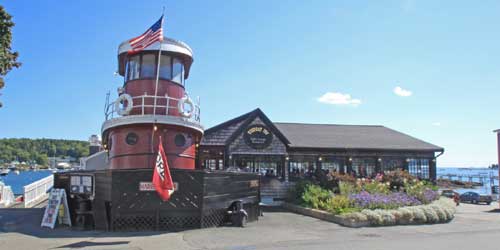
38, 150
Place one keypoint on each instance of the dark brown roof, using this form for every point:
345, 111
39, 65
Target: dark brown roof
225, 132
326, 136
350, 137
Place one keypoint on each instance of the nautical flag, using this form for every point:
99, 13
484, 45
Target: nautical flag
162, 180
152, 35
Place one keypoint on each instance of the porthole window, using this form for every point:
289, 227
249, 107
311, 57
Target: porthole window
180, 140
131, 138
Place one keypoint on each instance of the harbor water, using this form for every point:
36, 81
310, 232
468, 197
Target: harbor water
18, 181
478, 174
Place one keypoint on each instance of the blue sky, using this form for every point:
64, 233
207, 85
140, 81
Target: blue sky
299, 61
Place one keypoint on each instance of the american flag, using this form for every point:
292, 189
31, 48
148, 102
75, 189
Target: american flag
152, 35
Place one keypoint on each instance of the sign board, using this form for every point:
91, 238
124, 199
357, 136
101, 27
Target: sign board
148, 186
82, 184
258, 137
57, 207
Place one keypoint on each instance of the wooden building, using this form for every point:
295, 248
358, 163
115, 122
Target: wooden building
287, 151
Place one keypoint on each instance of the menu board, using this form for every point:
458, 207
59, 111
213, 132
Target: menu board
57, 207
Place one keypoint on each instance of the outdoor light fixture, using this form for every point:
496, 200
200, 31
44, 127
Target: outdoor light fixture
407, 159
379, 159
230, 157
155, 128
320, 158
197, 145
350, 159
287, 158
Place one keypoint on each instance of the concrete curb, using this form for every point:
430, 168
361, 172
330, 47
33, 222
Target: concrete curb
323, 215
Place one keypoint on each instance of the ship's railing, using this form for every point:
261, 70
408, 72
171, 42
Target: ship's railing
36, 192
146, 105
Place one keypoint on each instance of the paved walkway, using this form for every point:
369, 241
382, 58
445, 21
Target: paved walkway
474, 227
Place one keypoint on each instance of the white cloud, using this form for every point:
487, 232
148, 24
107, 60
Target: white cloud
437, 124
337, 98
402, 92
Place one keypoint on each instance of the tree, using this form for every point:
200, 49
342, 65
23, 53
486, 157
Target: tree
8, 58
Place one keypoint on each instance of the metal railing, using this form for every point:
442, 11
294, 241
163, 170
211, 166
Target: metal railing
147, 105
36, 192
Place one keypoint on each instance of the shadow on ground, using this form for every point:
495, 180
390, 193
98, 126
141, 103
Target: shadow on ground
27, 221
83, 244
497, 210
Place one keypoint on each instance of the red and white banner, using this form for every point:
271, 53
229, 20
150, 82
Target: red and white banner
162, 180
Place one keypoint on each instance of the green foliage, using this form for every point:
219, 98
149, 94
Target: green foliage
375, 187
316, 197
340, 204
295, 193
39, 150
8, 58
347, 188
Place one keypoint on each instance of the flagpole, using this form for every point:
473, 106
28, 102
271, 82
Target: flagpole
158, 67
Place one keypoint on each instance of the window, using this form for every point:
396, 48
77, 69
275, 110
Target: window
336, 165
144, 66
389, 164
363, 167
177, 70
419, 168
165, 67
131, 138
211, 164
133, 67
180, 140
148, 66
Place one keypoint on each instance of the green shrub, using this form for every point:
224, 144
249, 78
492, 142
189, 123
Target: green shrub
295, 193
347, 188
316, 197
340, 204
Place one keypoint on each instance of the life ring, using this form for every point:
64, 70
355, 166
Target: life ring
180, 107
126, 108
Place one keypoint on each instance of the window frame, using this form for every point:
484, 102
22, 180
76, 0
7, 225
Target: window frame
155, 73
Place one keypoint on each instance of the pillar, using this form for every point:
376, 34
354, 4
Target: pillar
287, 168
432, 169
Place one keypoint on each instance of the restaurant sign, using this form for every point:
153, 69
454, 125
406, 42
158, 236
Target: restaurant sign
258, 137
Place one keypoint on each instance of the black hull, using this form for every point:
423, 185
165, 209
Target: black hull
201, 200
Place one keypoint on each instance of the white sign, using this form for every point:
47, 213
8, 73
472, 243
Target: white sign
57, 207
148, 186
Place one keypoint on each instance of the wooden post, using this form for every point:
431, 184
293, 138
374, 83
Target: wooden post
432, 169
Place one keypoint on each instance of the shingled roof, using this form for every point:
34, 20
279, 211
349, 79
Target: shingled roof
350, 137
225, 132
325, 136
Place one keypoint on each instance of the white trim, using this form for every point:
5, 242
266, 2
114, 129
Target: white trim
149, 119
167, 44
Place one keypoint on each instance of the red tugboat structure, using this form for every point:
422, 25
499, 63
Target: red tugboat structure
115, 191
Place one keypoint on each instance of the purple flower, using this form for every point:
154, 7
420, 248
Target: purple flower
383, 201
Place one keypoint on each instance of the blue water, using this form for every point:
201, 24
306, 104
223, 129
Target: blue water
486, 172
17, 182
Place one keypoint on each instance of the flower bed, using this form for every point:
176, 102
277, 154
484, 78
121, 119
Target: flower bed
397, 198
439, 211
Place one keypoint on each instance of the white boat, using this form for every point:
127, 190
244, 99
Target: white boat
17, 172
4, 172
